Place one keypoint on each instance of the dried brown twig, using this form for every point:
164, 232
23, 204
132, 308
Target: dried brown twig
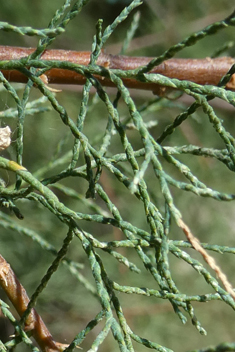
208, 259
201, 71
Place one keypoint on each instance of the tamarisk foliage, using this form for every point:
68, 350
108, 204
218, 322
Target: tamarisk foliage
73, 188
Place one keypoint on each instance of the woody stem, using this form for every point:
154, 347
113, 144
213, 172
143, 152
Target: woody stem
19, 298
201, 71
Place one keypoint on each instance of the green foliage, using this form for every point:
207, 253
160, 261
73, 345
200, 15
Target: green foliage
100, 181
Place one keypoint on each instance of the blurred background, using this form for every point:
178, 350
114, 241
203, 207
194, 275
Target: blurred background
65, 304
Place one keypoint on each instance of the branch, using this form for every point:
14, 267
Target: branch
201, 71
19, 298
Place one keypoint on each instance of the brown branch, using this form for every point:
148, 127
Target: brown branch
19, 298
201, 71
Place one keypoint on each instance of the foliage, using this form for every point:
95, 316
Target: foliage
106, 177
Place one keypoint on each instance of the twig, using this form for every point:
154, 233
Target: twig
208, 259
201, 71
19, 298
